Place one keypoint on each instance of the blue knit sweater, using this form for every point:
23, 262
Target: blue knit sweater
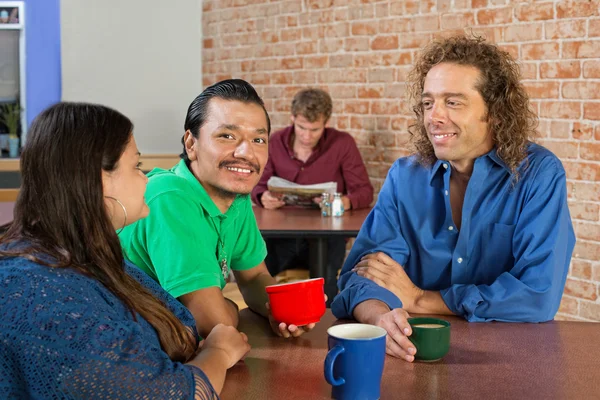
65, 336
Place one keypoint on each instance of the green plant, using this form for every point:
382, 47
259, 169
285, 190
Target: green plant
9, 116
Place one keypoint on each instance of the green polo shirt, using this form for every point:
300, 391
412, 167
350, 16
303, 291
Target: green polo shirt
178, 243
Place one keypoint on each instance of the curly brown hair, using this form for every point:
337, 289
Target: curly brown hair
311, 104
511, 121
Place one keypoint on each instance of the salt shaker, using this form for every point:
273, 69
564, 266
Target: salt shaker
337, 206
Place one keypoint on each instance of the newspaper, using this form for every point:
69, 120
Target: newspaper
298, 195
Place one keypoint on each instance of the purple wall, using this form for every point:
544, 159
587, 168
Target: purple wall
43, 70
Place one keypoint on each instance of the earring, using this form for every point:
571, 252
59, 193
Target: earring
124, 212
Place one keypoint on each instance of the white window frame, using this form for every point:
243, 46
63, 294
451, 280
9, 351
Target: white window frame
22, 59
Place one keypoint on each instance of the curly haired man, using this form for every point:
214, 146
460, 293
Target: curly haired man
475, 223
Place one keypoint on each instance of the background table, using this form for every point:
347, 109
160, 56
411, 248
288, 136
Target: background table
554, 360
308, 223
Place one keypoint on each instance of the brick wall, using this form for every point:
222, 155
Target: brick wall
361, 50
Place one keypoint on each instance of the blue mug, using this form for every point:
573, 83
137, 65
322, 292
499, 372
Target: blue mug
354, 363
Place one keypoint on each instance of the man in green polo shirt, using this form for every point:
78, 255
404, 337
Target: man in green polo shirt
201, 225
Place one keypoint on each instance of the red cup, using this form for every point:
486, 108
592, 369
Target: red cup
298, 303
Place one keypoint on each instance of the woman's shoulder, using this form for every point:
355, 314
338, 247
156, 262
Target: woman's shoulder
24, 279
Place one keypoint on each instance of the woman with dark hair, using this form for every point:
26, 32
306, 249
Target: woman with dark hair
77, 320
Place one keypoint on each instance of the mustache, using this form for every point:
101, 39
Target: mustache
240, 164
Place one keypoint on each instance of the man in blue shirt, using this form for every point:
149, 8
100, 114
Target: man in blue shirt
476, 222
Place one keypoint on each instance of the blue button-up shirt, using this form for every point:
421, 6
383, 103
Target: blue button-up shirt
509, 260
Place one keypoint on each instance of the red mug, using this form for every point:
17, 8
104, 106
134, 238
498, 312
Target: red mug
297, 303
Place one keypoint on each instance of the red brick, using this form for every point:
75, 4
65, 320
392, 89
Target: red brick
582, 170
396, 58
597, 132
576, 8
534, 12
426, 23
339, 14
305, 77
381, 75
383, 123
414, 40
395, 91
528, 70
559, 129
290, 35
585, 191
587, 231
594, 27
493, 16
356, 44
362, 11
400, 124
340, 61
494, 34
581, 269
385, 107
457, 20
581, 90
582, 131
587, 250
596, 272
565, 29
560, 69
590, 311
562, 149
511, 49
260, 78
306, 47
568, 305
283, 50
523, 32
316, 62
371, 92
539, 51
391, 156
356, 107
330, 45
386, 140
591, 111
581, 49
542, 89
385, 43
334, 30
591, 69
560, 109
361, 28
348, 76
382, 10
590, 151
479, 3
396, 25
318, 4
586, 211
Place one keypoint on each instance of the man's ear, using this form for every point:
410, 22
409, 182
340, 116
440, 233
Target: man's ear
190, 145
293, 119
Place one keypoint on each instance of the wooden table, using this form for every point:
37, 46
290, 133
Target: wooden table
554, 360
308, 223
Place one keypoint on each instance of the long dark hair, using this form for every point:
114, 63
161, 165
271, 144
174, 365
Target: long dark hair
60, 218
229, 89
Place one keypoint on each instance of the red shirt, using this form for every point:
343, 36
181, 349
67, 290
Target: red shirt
335, 158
